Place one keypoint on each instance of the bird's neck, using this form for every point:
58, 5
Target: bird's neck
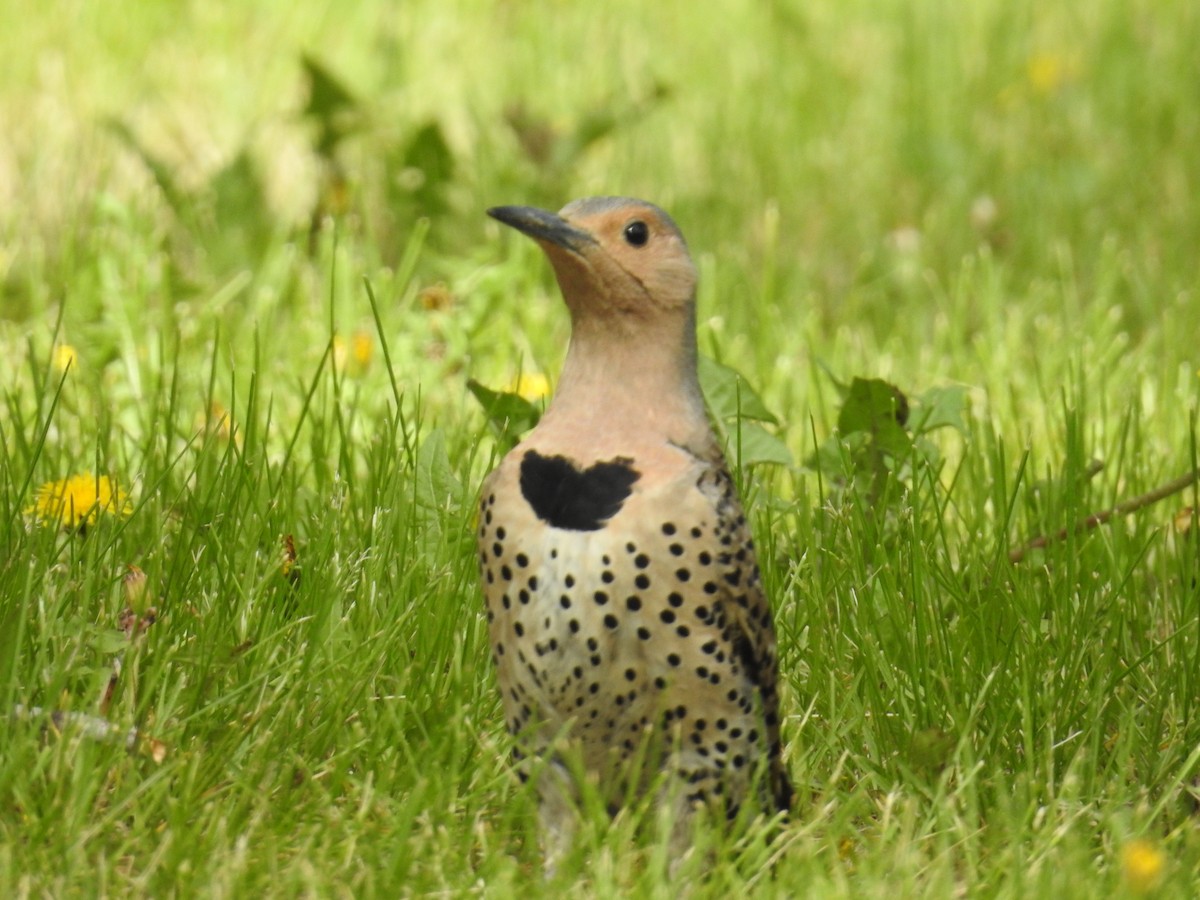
628, 385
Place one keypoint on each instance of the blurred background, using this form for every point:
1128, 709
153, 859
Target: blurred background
835, 165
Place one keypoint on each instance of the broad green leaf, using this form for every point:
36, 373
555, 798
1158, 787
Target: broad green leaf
331, 105
243, 224
729, 394
327, 96
837, 456
940, 407
879, 409
437, 486
510, 414
429, 154
438, 493
159, 170
753, 445
108, 641
840, 386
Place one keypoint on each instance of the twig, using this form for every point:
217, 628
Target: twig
1017, 554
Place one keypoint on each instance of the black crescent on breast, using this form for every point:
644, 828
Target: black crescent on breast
566, 496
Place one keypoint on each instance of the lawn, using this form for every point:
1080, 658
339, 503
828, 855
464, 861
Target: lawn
250, 301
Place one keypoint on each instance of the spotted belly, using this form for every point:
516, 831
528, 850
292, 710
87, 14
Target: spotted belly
612, 634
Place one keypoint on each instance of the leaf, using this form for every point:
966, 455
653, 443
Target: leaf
327, 96
438, 496
429, 153
594, 126
840, 386
330, 104
753, 445
175, 197
556, 151
230, 220
437, 487
729, 395
835, 457
606, 118
242, 226
108, 641
879, 409
941, 407
510, 414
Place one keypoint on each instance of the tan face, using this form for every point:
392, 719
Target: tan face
639, 255
612, 256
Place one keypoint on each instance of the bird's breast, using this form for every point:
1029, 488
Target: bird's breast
605, 612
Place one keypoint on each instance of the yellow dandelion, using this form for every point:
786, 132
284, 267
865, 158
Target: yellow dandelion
64, 358
78, 501
532, 386
351, 357
1142, 866
340, 353
362, 350
215, 421
1048, 72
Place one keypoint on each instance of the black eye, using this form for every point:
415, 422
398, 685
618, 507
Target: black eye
636, 233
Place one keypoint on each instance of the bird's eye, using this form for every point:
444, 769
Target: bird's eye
636, 233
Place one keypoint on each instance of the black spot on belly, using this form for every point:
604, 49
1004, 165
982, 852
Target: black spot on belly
577, 500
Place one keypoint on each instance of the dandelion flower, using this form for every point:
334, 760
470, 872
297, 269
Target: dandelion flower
78, 501
1142, 866
352, 357
1048, 72
64, 358
531, 386
215, 421
362, 348
340, 353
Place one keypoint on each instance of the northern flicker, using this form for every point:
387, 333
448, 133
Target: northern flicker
627, 620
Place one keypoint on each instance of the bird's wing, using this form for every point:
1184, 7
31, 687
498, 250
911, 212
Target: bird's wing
749, 612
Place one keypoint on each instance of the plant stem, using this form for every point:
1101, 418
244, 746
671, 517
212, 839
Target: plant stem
1017, 554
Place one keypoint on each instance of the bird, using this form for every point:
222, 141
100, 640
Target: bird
632, 639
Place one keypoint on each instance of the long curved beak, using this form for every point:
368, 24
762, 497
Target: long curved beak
543, 226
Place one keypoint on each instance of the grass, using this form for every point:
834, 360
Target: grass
998, 196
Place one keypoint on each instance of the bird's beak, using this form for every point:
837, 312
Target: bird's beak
543, 226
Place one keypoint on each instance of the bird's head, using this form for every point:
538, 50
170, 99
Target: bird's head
615, 258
